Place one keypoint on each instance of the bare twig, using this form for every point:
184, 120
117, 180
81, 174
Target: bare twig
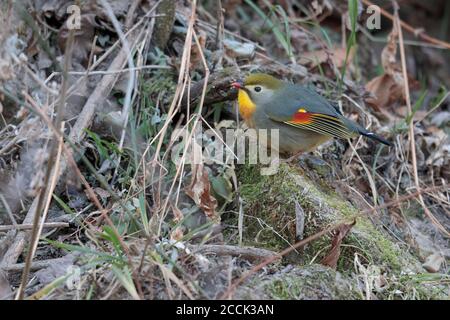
91, 73
299, 221
30, 226
36, 265
218, 87
8, 210
131, 72
131, 10
248, 253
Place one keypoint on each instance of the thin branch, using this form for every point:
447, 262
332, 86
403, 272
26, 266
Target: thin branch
30, 226
248, 253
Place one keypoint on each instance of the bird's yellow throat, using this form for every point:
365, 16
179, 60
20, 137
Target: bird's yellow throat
246, 105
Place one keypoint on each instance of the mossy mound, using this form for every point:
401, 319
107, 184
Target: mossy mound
270, 222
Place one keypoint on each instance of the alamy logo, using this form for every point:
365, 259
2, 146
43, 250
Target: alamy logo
374, 21
73, 277
240, 146
74, 20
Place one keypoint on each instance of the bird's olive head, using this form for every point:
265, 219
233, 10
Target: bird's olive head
260, 87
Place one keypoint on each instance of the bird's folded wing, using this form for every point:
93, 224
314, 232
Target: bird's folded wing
318, 122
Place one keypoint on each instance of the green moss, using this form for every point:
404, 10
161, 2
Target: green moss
269, 222
269, 206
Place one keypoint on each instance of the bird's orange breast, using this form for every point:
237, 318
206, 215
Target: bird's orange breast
246, 105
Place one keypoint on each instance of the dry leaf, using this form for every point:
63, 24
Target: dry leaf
200, 191
337, 56
333, 255
177, 213
389, 87
56, 268
384, 90
177, 234
196, 52
200, 188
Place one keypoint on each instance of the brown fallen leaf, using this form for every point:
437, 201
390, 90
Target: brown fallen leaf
388, 87
177, 234
384, 91
200, 191
197, 50
337, 56
177, 213
332, 257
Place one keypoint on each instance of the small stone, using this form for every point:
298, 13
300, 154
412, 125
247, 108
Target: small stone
321, 167
433, 262
239, 49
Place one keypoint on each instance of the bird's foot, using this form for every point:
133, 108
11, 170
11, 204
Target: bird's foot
292, 158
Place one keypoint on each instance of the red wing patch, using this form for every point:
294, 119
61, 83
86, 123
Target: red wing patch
320, 123
302, 117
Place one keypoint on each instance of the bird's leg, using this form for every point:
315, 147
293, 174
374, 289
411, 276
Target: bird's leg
293, 157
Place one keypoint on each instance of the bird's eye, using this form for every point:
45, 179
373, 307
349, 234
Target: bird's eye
257, 89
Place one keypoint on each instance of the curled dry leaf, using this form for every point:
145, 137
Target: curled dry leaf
200, 191
388, 87
197, 50
332, 257
321, 9
200, 188
177, 213
177, 234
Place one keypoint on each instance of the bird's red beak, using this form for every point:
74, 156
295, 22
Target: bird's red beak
238, 84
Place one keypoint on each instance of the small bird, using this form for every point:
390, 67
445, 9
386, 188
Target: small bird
304, 118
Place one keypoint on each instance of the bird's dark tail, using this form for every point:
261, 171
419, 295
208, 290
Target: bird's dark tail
373, 136
361, 130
